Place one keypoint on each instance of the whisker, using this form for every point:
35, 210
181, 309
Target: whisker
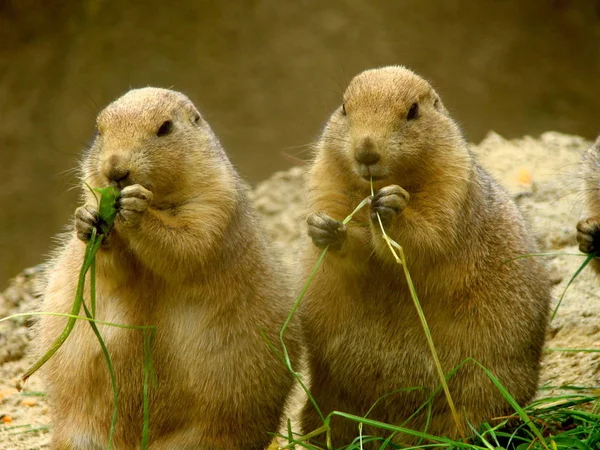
294, 159
72, 170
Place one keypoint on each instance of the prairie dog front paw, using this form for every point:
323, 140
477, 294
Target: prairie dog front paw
86, 219
133, 203
588, 235
388, 202
325, 231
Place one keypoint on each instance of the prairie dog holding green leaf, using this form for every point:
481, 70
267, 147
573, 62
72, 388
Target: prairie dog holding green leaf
187, 255
588, 229
458, 229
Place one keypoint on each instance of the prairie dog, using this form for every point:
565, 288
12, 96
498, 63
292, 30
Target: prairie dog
187, 255
457, 227
588, 229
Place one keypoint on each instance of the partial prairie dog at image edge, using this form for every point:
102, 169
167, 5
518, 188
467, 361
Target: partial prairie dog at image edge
186, 255
588, 229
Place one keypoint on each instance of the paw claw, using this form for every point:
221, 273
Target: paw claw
133, 203
86, 219
387, 203
326, 231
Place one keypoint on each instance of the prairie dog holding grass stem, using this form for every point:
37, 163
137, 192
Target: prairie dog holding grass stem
458, 229
186, 255
588, 229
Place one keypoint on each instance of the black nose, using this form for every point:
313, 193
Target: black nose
117, 174
366, 153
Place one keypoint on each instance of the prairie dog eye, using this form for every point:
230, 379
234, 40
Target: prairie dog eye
343, 109
165, 128
413, 112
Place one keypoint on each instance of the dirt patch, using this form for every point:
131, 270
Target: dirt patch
541, 175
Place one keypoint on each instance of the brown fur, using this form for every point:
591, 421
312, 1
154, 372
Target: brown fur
187, 255
457, 228
588, 229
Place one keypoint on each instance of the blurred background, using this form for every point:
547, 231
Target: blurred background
266, 74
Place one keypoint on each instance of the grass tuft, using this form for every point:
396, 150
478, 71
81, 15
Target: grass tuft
107, 211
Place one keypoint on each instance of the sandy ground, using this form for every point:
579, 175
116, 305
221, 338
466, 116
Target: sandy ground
540, 173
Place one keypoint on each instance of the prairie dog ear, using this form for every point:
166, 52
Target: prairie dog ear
192, 114
437, 104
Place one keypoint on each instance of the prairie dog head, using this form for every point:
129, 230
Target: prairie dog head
156, 138
391, 126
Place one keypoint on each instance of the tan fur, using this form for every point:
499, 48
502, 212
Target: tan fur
588, 229
457, 228
187, 255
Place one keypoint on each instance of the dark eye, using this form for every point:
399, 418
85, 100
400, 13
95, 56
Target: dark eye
165, 128
413, 112
436, 103
343, 109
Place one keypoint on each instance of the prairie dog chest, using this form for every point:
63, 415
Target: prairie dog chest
376, 345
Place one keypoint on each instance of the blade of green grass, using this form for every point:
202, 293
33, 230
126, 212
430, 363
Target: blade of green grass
285, 356
71, 316
149, 376
111, 370
408, 431
509, 398
93, 287
413, 293
577, 272
74, 310
536, 255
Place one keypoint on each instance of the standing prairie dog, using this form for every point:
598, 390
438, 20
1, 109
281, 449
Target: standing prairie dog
457, 227
588, 229
188, 256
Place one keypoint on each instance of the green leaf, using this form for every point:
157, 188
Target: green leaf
107, 209
570, 443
